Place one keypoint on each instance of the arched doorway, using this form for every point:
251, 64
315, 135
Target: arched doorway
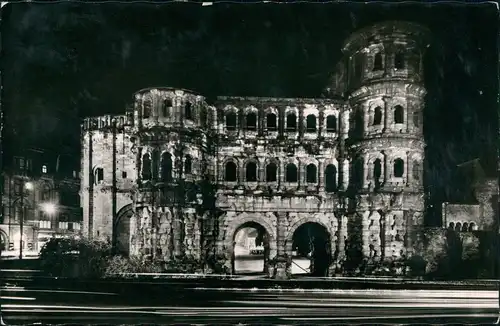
311, 250
122, 228
3, 241
251, 249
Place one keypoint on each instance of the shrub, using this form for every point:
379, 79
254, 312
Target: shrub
72, 257
119, 266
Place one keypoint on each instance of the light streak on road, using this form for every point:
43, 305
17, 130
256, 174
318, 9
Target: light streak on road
14, 289
368, 292
370, 303
409, 317
16, 298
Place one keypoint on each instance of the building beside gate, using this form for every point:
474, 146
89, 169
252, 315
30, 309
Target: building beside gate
40, 199
175, 175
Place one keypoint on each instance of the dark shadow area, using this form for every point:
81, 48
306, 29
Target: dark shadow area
312, 240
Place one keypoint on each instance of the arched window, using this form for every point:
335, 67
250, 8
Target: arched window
98, 175
166, 107
331, 123
377, 172
399, 168
399, 114
230, 172
458, 226
155, 164
146, 110
330, 178
291, 122
188, 110
472, 226
377, 62
251, 121
311, 173
416, 118
399, 61
166, 167
465, 227
291, 173
416, 171
311, 123
271, 172
271, 121
188, 164
377, 117
251, 172
231, 121
146, 167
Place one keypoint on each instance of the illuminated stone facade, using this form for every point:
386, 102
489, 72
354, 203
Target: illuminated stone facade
179, 176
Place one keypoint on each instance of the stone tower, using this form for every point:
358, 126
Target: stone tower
170, 146
107, 178
385, 142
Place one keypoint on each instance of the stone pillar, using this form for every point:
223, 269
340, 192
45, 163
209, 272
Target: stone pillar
365, 172
408, 116
321, 175
409, 164
177, 229
387, 168
345, 174
365, 117
387, 112
281, 268
408, 234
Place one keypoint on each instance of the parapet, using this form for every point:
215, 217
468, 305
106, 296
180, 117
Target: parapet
107, 122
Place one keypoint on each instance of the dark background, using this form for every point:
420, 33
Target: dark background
62, 62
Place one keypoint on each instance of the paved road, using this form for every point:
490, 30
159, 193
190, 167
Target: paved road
158, 304
247, 263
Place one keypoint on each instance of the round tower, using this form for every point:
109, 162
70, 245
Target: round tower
170, 144
385, 139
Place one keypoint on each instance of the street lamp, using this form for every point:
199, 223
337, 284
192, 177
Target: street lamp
27, 186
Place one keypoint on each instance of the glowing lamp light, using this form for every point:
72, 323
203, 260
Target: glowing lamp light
49, 208
28, 186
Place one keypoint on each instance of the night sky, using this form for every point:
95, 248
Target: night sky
62, 62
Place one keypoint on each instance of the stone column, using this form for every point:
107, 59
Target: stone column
387, 112
408, 234
281, 269
365, 171
409, 164
177, 229
408, 116
364, 107
321, 175
387, 168
345, 174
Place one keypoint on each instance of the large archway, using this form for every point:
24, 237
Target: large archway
122, 236
236, 222
311, 246
250, 249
